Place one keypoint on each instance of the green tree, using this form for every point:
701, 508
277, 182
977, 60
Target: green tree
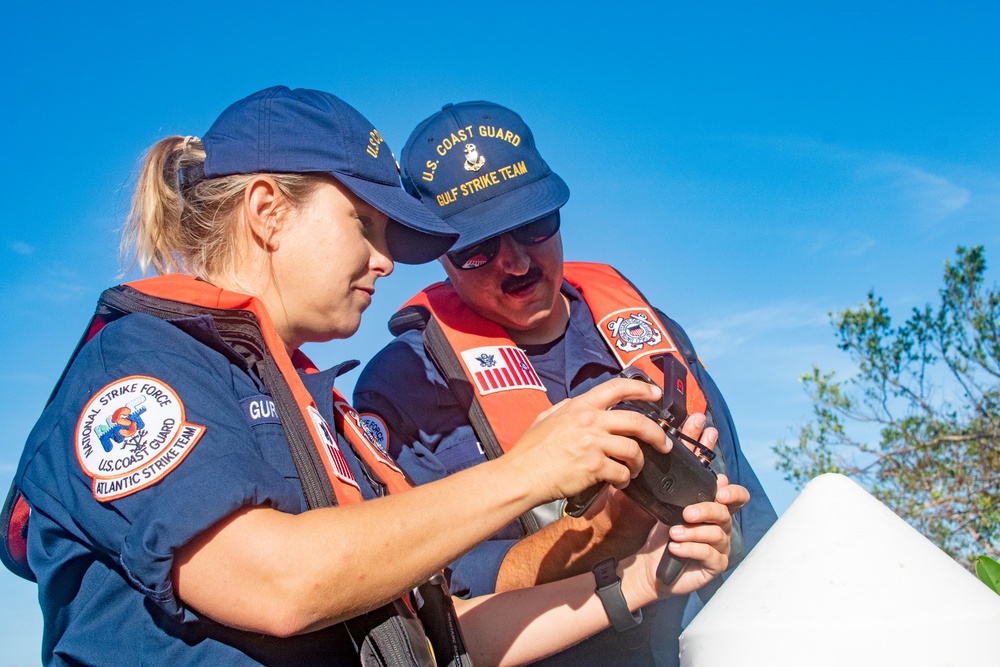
918, 425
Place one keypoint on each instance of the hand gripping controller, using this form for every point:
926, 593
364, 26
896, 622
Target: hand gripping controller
668, 482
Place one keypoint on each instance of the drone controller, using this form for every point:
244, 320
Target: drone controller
667, 482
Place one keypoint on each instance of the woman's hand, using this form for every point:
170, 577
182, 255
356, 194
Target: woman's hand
579, 442
608, 506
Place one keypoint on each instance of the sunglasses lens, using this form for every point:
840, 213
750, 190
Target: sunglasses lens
482, 253
538, 231
477, 255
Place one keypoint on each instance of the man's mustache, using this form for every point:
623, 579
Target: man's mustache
515, 283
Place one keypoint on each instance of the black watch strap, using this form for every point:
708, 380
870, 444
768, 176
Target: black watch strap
609, 589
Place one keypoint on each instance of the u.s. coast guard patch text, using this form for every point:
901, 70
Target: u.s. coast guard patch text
131, 434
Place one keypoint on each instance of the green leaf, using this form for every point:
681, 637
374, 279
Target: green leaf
988, 570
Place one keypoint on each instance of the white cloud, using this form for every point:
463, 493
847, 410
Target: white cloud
725, 332
894, 184
21, 248
54, 286
931, 197
857, 243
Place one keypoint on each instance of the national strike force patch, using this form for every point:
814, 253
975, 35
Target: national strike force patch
131, 434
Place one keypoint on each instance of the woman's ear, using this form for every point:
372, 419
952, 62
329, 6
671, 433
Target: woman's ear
262, 212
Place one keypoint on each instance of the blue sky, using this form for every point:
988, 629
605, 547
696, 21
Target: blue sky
751, 166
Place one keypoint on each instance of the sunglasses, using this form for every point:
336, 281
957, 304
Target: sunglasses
484, 252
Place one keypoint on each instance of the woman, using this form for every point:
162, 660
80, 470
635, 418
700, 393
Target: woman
177, 513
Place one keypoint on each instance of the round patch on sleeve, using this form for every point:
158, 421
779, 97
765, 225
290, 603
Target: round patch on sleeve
131, 434
374, 425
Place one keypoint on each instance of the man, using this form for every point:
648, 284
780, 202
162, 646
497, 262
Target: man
512, 333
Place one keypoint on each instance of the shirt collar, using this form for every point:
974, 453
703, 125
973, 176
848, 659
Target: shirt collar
582, 346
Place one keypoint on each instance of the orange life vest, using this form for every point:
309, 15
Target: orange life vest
504, 386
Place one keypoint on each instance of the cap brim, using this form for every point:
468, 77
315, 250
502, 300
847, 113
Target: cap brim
509, 211
419, 236
412, 246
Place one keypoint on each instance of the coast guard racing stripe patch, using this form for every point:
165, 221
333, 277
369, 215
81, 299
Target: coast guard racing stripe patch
500, 368
131, 434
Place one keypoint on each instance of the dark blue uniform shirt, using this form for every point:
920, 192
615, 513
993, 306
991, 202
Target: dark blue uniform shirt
103, 568
430, 436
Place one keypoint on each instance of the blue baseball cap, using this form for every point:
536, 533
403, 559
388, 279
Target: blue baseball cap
475, 165
278, 130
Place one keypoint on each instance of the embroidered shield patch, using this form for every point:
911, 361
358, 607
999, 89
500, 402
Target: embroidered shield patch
131, 434
632, 333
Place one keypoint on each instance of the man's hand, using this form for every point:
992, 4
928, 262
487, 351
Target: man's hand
704, 539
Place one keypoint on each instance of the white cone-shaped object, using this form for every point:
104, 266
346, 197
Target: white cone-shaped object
841, 580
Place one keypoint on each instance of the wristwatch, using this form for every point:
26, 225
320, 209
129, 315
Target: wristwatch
609, 589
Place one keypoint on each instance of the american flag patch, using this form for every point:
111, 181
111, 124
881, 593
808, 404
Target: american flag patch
340, 467
500, 368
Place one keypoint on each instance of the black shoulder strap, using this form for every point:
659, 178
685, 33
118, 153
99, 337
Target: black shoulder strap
449, 365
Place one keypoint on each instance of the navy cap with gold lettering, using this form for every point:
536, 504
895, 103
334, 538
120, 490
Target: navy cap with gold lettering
278, 130
475, 165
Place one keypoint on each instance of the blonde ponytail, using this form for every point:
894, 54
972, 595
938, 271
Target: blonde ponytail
183, 222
